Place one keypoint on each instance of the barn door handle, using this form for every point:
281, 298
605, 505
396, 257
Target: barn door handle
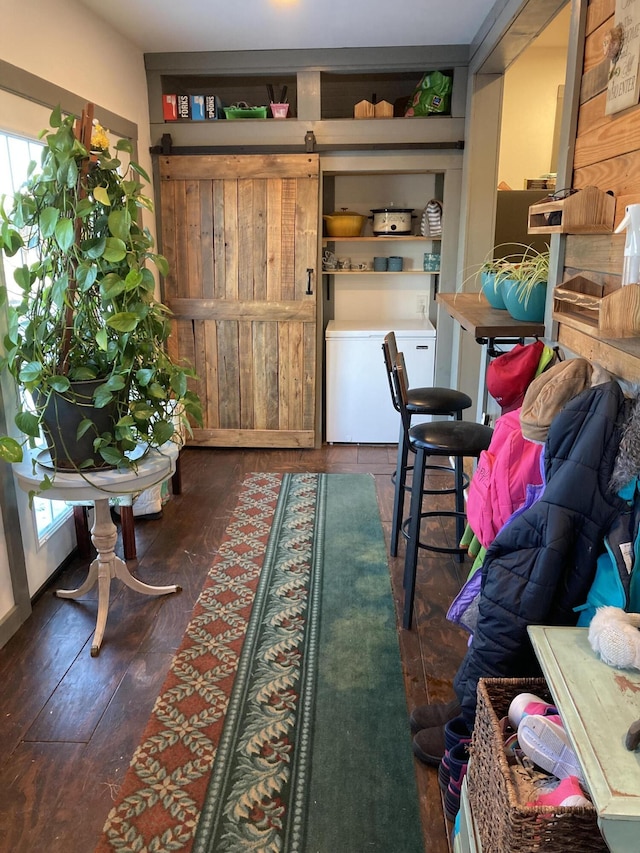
309, 274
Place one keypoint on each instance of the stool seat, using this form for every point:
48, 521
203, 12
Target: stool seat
451, 438
437, 401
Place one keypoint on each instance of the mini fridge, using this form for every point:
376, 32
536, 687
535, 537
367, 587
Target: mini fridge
358, 401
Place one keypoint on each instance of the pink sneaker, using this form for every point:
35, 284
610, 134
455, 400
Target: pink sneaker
567, 793
528, 703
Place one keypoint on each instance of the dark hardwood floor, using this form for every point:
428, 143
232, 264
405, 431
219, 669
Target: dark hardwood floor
69, 722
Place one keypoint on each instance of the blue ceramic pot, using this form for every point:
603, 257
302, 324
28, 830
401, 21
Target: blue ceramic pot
530, 309
492, 292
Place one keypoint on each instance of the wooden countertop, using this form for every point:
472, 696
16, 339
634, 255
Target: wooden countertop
475, 315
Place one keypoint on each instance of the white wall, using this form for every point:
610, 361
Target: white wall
62, 42
528, 114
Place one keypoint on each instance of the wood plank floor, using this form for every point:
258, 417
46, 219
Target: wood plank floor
69, 722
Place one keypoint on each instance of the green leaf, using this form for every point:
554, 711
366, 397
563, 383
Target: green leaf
102, 397
115, 250
80, 373
30, 372
144, 376
124, 321
59, 290
83, 426
141, 411
138, 168
111, 455
124, 145
163, 431
86, 275
133, 279
162, 264
120, 224
48, 220
100, 194
64, 234
102, 340
11, 240
22, 277
59, 383
115, 383
179, 382
28, 423
156, 391
10, 450
94, 248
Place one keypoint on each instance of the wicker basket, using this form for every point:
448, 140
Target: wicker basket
503, 822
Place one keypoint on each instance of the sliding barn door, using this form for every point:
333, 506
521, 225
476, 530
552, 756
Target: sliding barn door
240, 235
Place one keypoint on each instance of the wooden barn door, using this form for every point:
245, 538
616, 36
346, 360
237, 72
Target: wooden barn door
240, 235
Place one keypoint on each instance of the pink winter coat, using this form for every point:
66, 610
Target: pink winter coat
499, 484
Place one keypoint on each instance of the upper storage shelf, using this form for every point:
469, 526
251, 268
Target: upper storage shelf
323, 87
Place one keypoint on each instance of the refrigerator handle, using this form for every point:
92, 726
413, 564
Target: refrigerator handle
422, 346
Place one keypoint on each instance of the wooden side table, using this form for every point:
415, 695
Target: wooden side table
597, 704
98, 487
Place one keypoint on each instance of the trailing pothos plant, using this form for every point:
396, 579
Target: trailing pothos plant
88, 309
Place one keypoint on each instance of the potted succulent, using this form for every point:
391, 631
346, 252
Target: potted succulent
88, 328
524, 285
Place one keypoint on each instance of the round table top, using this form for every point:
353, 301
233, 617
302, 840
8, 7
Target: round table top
156, 467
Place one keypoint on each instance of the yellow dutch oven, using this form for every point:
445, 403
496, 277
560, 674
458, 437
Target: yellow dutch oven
344, 223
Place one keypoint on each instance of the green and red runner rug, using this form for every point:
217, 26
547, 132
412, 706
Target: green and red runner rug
282, 724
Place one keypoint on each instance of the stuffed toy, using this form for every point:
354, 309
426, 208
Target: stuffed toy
614, 635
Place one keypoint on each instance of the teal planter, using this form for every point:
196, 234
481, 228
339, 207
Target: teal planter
525, 308
492, 292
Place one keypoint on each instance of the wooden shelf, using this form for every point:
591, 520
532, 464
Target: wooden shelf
381, 272
581, 304
588, 211
390, 239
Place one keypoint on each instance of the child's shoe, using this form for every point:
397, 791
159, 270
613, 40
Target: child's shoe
546, 742
566, 793
456, 732
528, 703
458, 765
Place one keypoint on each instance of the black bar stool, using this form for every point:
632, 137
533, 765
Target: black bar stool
444, 439
420, 401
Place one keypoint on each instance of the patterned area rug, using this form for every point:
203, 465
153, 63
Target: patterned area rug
282, 723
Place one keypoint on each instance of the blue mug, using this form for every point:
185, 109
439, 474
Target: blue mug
380, 264
395, 264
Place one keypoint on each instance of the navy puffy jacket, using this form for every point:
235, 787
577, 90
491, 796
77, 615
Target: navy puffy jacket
542, 563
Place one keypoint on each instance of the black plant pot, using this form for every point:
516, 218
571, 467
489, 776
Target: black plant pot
62, 417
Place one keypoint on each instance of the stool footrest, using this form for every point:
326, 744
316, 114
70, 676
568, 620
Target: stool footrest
436, 514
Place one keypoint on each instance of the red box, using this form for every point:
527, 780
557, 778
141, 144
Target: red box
170, 107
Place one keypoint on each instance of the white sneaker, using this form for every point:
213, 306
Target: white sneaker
546, 742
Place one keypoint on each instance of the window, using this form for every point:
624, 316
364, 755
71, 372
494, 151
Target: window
15, 155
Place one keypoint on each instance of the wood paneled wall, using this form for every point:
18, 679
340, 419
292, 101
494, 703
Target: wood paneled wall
607, 155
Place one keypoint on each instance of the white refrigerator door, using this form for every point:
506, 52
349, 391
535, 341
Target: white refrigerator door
358, 399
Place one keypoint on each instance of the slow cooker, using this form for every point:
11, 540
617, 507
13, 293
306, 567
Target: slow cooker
392, 221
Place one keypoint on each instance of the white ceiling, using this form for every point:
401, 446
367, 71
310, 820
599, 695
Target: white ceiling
214, 25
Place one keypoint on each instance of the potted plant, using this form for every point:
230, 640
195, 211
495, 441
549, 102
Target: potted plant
524, 285
490, 278
88, 328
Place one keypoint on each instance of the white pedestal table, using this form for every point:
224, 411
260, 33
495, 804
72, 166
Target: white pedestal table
98, 487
